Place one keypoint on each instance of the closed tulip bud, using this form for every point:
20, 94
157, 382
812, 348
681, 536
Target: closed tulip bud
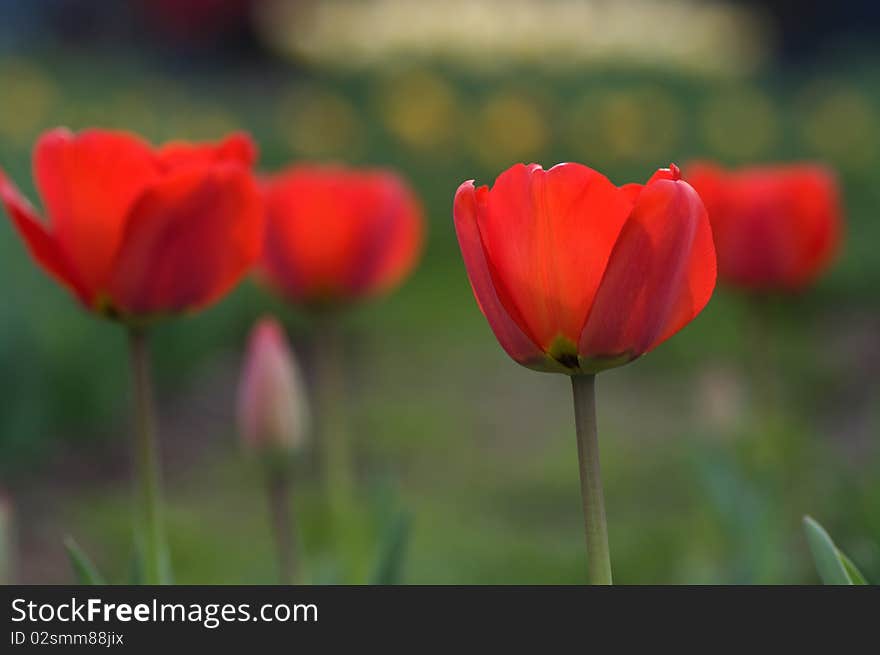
272, 409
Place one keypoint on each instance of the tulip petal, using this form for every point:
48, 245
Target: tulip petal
189, 239
818, 201
312, 231
547, 237
632, 191
87, 182
775, 227
339, 234
235, 148
391, 242
659, 276
469, 204
40, 243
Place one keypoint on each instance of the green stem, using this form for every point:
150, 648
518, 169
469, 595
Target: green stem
151, 532
598, 555
334, 448
282, 524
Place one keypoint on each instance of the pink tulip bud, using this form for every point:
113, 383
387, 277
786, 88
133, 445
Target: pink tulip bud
272, 409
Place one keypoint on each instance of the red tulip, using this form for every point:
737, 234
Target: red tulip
775, 227
575, 274
135, 231
335, 235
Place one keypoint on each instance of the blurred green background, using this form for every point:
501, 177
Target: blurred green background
713, 447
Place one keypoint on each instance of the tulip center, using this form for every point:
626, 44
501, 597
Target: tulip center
564, 351
104, 306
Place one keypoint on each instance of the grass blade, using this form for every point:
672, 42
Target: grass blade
855, 575
826, 556
392, 551
83, 568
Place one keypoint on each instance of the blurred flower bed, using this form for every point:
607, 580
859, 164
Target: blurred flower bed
699, 490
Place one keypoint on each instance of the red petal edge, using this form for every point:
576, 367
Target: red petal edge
40, 243
468, 203
659, 277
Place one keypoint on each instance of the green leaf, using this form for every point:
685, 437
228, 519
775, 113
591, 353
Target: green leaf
392, 551
85, 571
834, 567
855, 575
135, 571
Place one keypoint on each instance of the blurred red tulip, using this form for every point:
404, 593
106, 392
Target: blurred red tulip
272, 409
575, 274
136, 231
775, 227
335, 235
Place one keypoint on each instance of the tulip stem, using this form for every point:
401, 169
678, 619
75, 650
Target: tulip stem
598, 555
150, 529
335, 449
282, 524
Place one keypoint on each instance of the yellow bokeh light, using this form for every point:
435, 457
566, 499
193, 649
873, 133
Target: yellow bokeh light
315, 122
740, 124
28, 98
419, 108
839, 124
641, 124
510, 128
